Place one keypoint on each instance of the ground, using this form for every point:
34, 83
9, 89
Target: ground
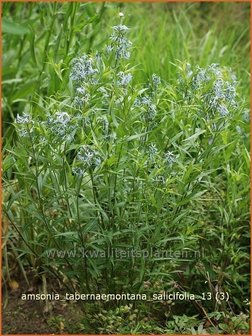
33, 317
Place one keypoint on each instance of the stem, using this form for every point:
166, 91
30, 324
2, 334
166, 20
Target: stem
65, 182
80, 230
96, 198
71, 30
41, 208
50, 269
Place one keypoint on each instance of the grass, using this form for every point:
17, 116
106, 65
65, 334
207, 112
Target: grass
101, 156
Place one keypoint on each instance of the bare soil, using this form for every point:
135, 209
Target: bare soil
35, 316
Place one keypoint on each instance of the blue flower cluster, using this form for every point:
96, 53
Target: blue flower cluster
87, 158
146, 104
124, 78
222, 93
60, 126
25, 123
170, 158
120, 44
83, 69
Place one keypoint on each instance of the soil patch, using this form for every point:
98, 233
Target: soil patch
36, 316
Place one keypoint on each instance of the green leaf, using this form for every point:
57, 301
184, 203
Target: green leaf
13, 28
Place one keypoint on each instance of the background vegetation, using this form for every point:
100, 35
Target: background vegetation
203, 204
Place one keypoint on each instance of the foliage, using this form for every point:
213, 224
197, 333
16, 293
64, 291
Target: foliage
124, 181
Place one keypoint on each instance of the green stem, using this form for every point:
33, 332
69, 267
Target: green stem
96, 199
41, 208
79, 182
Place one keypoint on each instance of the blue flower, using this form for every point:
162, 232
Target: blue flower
88, 157
83, 69
59, 125
120, 44
24, 122
156, 80
124, 79
23, 119
146, 104
223, 110
152, 150
170, 158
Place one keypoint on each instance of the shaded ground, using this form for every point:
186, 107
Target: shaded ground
61, 317
23, 317
35, 317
